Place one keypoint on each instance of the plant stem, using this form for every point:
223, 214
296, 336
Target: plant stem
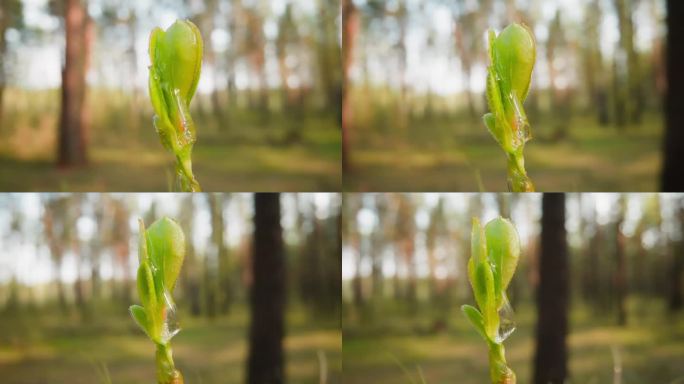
499, 371
518, 181
184, 175
166, 369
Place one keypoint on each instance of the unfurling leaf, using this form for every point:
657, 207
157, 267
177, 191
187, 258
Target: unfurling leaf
475, 318
146, 286
166, 246
503, 248
514, 53
140, 317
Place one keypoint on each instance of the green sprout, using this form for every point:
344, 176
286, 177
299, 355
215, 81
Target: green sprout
161, 252
176, 57
512, 56
494, 256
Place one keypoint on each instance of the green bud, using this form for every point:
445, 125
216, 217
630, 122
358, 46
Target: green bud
166, 246
176, 61
512, 54
495, 250
161, 251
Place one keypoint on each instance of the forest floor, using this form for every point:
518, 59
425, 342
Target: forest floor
399, 350
248, 150
51, 348
448, 156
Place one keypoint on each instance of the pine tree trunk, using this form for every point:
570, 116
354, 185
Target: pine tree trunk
550, 365
72, 140
268, 294
676, 296
672, 177
620, 277
350, 24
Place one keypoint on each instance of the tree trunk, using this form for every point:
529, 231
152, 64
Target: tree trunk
620, 277
672, 177
550, 365
267, 294
676, 296
221, 253
3, 54
357, 283
350, 25
72, 143
628, 59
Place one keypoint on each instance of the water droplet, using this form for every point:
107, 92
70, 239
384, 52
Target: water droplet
522, 127
170, 326
506, 321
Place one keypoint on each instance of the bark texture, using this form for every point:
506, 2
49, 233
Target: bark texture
265, 365
550, 364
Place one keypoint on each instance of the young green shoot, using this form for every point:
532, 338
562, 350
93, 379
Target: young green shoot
161, 252
176, 60
495, 250
512, 55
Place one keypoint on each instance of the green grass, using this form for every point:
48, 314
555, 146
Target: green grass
245, 151
59, 350
650, 348
453, 154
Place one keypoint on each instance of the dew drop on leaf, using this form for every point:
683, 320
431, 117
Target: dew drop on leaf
170, 325
506, 321
522, 132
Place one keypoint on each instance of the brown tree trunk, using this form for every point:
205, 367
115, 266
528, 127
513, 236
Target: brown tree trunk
206, 19
350, 25
267, 299
620, 277
191, 274
217, 229
672, 178
357, 283
72, 140
550, 364
4, 22
676, 296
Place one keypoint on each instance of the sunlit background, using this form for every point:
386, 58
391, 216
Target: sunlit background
404, 279
417, 81
267, 108
67, 277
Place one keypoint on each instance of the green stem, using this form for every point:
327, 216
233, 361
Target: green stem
185, 177
518, 181
499, 371
166, 369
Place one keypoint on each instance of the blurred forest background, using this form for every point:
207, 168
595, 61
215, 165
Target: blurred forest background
67, 278
598, 294
267, 108
415, 71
